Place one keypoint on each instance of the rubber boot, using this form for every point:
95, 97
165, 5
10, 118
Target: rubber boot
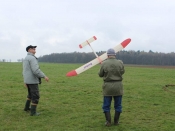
27, 105
108, 119
33, 111
116, 118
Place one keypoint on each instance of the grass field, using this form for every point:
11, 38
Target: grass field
74, 103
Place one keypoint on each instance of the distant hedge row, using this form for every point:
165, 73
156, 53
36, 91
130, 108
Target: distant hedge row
128, 57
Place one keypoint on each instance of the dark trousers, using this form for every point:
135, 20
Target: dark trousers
33, 93
117, 103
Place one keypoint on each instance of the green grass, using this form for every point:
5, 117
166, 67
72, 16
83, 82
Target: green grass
74, 103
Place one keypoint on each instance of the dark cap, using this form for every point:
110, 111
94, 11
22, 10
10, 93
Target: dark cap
30, 46
111, 52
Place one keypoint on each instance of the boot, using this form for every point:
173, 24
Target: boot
33, 111
27, 106
108, 119
116, 118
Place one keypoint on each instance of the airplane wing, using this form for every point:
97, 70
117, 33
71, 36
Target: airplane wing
96, 60
87, 42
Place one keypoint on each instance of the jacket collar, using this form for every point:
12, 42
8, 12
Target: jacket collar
31, 54
111, 57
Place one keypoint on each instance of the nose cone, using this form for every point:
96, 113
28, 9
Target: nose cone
71, 73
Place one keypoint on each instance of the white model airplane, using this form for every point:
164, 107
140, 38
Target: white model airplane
97, 60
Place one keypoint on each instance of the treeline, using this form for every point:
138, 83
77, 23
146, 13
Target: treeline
128, 57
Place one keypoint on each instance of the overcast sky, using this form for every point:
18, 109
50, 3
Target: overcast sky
57, 26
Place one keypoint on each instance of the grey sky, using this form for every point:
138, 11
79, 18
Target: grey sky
57, 26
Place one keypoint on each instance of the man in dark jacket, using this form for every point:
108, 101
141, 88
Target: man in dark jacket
32, 77
111, 71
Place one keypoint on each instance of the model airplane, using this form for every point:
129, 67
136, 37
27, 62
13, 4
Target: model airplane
97, 60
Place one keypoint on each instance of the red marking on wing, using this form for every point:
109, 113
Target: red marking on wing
80, 46
94, 37
125, 42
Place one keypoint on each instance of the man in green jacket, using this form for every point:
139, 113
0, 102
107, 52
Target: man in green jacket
32, 77
111, 71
